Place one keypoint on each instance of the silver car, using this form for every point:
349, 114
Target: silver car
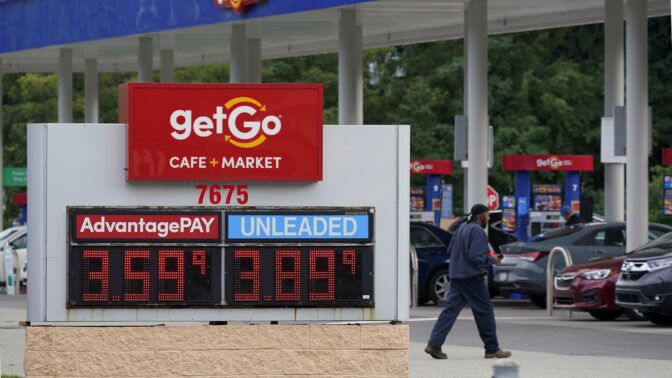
523, 268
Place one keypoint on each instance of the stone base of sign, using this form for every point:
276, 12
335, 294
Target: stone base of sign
221, 351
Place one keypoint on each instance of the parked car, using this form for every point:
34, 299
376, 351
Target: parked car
431, 246
523, 268
590, 286
645, 283
15, 238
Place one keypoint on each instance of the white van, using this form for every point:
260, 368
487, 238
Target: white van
16, 239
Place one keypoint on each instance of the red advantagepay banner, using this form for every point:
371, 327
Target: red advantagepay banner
547, 162
110, 227
223, 132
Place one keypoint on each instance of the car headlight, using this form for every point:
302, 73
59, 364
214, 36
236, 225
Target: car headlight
596, 274
658, 264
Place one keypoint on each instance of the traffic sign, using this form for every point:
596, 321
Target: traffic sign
493, 198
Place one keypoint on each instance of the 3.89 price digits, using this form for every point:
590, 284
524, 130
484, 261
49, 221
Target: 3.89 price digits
117, 276
299, 276
223, 194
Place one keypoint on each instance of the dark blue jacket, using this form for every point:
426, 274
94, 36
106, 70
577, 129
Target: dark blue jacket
469, 252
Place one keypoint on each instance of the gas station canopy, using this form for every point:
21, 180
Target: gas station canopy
31, 32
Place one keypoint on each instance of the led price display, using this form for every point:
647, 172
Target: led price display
176, 257
130, 276
299, 277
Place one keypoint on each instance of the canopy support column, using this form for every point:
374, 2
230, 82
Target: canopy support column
65, 86
636, 123
238, 54
91, 106
350, 75
477, 107
614, 173
145, 60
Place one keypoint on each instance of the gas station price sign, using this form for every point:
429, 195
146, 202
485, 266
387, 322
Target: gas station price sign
308, 258
174, 257
122, 257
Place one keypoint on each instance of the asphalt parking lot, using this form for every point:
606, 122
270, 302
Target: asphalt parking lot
545, 347
541, 346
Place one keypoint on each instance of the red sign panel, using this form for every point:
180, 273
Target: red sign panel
667, 156
223, 132
431, 167
106, 226
547, 162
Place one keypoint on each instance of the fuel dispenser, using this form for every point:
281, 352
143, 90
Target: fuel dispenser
539, 212
433, 189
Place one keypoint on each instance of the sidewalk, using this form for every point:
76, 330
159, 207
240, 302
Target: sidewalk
467, 362
12, 337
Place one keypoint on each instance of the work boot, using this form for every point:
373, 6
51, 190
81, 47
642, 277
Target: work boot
498, 354
436, 353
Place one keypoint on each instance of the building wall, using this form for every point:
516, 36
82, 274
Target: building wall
223, 350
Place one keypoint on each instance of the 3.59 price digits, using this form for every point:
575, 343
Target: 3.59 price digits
223, 194
143, 276
301, 276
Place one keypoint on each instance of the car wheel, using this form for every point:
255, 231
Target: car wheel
439, 285
538, 300
658, 318
606, 315
633, 314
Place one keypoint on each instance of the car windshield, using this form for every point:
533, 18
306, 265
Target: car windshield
663, 242
560, 232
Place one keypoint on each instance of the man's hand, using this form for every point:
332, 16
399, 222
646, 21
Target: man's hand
496, 259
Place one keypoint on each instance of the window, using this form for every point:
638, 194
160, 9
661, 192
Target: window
21, 242
655, 233
613, 237
421, 238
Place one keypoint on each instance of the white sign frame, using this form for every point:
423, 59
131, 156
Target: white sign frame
84, 165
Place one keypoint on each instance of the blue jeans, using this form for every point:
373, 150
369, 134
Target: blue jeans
473, 291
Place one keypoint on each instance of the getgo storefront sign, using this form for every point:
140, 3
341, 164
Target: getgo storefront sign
264, 132
547, 162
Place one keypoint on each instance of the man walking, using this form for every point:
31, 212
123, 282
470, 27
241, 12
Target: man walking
469, 263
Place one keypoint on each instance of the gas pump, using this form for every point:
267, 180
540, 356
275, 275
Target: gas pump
540, 212
432, 193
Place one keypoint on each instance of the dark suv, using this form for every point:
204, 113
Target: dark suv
645, 283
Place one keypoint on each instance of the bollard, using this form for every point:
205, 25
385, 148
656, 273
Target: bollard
10, 281
549, 275
505, 369
414, 277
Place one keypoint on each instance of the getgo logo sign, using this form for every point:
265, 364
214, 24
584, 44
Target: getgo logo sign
238, 6
554, 162
239, 132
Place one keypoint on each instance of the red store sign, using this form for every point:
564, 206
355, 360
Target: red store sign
223, 132
431, 167
547, 162
147, 226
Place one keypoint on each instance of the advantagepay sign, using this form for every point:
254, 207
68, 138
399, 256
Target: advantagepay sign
150, 225
223, 132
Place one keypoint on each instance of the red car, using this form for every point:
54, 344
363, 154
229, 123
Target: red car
591, 286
